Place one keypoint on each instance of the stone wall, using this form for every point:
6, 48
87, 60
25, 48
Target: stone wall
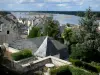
12, 65
40, 64
36, 66
29, 65
3, 39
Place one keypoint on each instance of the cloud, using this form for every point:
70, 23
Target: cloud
52, 0
79, 2
49, 4
26, 1
16, 1
62, 5
57, 1
40, 4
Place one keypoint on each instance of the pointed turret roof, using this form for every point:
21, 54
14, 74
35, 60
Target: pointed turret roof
46, 48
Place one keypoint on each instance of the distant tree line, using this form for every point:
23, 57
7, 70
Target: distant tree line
77, 13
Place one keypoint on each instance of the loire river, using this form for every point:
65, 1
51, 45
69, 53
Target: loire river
64, 19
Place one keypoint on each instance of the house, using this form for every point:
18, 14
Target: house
8, 28
11, 29
42, 47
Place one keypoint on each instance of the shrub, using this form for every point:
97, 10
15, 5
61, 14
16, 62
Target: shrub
78, 71
97, 65
21, 55
85, 65
53, 71
38, 73
76, 62
89, 67
63, 70
68, 70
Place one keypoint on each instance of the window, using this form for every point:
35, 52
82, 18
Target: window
8, 32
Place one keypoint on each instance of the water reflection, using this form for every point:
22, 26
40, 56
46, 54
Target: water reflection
64, 19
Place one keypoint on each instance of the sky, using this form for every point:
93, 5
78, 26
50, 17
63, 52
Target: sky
49, 5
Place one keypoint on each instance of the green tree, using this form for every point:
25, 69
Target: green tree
51, 28
68, 25
34, 32
87, 48
66, 35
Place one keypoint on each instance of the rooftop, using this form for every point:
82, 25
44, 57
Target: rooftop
40, 46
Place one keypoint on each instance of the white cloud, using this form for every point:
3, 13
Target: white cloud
26, 1
78, 2
57, 0
15, 1
8, 1
52, 0
66, 0
40, 4
62, 5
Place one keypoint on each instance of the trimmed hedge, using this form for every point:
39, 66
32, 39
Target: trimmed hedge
22, 54
85, 65
68, 70
61, 71
97, 65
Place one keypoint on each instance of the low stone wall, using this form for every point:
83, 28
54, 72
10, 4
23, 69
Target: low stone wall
40, 64
12, 65
34, 66
29, 65
59, 62
26, 60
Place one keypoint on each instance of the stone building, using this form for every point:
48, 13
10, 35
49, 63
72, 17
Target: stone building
8, 28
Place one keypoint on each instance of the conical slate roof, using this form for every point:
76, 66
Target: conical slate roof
47, 48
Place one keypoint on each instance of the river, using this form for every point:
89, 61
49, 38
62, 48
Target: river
62, 18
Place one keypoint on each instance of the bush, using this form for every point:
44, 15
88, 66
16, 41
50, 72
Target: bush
38, 73
68, 70
78, 71
21, 55
85, 65
97, 65
61, 71
76, 62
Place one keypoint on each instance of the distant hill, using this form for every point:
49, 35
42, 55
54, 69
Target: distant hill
3, 13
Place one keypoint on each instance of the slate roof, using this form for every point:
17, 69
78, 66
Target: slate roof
37, 44
47, 48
